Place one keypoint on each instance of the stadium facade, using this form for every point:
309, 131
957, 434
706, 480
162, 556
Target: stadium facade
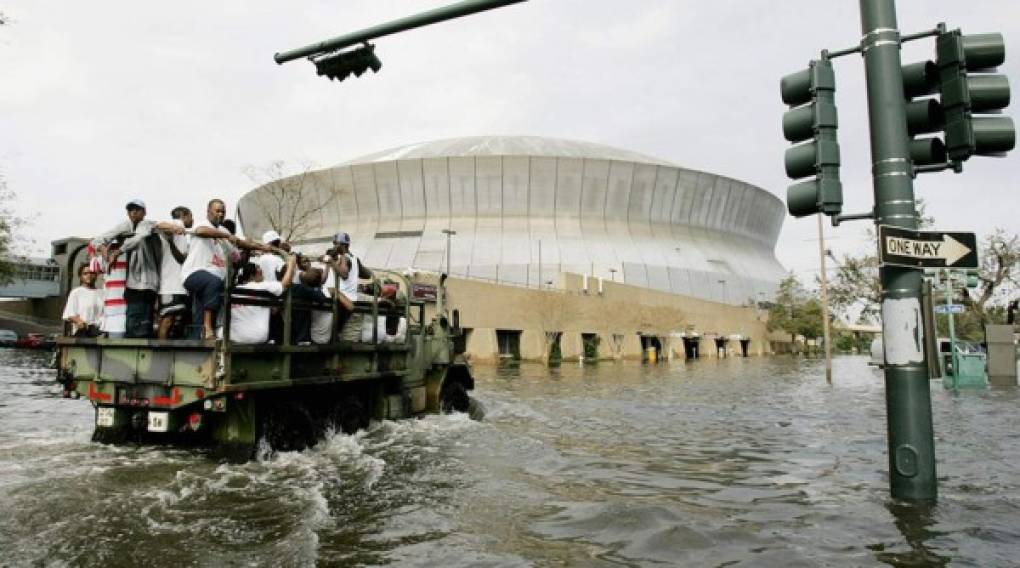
526, 209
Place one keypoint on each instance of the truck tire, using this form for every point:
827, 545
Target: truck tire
351, 415
454, 398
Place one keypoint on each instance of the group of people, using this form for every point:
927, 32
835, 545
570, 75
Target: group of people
166, 280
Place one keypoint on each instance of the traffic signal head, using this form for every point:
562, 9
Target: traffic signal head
339, 65
812, 124
973, 278
965, 95
924, 115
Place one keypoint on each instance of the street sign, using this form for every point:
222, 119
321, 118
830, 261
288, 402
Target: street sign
949, 309
426, 292
926, 249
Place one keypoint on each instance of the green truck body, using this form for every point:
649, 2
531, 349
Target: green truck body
235, 397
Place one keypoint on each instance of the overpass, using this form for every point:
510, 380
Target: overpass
34, 278
34, 298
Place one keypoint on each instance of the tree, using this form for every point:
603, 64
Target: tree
289, 203
857, 286
782, 313
10, 223
1000, 256
795, 311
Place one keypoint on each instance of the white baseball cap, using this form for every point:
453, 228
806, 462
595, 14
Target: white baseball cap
270, 236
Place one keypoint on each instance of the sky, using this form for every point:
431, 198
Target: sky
104, 101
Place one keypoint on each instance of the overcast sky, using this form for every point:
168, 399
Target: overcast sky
103, 101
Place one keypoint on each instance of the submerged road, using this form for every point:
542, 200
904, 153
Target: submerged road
736, 462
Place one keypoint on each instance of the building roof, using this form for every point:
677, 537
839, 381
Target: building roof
506, 146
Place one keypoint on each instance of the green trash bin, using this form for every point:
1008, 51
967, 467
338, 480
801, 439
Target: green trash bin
971, 372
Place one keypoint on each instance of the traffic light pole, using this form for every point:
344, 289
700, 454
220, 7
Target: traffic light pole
911, 445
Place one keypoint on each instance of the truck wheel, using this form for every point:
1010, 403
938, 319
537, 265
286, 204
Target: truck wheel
454, 398
112, 436
288, 428
351, 415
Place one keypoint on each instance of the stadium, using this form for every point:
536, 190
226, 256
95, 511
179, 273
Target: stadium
547, 215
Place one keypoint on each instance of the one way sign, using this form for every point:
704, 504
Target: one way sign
927, 249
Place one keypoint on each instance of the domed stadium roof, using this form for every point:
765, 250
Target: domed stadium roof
525, 207
506, 146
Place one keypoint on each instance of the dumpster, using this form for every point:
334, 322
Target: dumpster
971, 372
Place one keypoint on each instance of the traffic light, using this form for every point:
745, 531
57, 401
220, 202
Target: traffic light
811, 124
924, 115
339, 65
966, 95
973, 278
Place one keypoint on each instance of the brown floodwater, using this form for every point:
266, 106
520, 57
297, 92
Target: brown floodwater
752, 462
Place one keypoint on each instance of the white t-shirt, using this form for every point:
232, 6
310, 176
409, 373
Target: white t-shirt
170, 281
86, 303
349, 286
269, 263
322, 321
250, 324
206, 254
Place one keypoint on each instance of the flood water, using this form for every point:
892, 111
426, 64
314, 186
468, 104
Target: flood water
751, 462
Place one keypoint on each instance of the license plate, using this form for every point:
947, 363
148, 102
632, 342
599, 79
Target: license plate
159, 421
104, 416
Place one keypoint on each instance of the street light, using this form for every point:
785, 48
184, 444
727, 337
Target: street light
612, 274
449, 233
726, 298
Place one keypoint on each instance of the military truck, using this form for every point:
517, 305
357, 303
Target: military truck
240, 398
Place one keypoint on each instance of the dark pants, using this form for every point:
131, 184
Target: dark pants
141, 304
206, 294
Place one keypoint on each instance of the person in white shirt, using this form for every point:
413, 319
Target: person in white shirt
84, 309
348, 285
205, 268
173, 298
250, 324
271, 264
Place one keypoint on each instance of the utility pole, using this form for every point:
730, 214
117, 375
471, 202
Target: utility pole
911, 443
827, 335
449, 233
539, 264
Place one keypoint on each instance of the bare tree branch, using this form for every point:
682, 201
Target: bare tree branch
289, 203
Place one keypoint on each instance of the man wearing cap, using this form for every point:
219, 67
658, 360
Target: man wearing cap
342, 247
270, 264
144, 251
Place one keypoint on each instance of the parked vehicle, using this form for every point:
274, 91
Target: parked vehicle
8, 338
31, 341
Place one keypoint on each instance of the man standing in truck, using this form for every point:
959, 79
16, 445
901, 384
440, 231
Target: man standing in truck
144, 250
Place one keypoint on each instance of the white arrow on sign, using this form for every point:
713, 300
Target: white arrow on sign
949, 250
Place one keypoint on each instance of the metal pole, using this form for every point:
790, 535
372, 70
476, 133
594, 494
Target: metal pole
826, 334
465, 8
449, 233
952, 328
540, 264
908, 400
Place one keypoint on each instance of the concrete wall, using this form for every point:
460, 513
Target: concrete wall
619, 315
